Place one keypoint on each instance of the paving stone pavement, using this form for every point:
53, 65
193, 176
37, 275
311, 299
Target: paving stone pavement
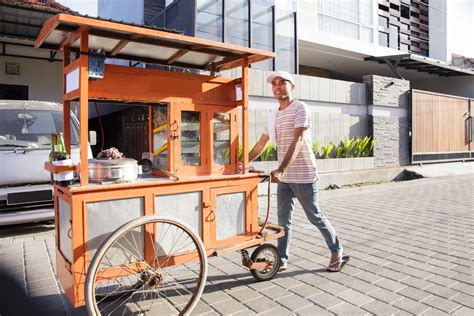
411, 246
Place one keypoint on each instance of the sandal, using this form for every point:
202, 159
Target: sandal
338, 264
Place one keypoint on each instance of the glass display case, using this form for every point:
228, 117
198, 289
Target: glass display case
204, 139
190, 138
221, 138
160, 136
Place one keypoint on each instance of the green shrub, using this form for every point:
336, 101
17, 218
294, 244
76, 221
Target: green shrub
269, 153
368, 149
240, 150
326, 150
338, 150
361, 145
315, 148
348, 145
347, 148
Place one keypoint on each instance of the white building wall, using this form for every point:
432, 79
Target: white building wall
338, 108
42, 77
351, 25
438, 30
460, 28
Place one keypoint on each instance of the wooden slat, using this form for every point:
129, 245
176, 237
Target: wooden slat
180, 53
438, 123
73, 37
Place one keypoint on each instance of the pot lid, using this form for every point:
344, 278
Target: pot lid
112, 162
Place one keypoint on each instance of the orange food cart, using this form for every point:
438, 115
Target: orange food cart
141, 246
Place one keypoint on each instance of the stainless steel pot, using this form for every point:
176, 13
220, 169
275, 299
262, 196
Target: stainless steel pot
120, 170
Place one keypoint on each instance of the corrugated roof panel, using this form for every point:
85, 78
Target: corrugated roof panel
148, 51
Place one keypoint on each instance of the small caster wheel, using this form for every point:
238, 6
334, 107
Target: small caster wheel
266, 253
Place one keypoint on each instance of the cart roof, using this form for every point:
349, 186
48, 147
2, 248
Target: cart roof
138, 43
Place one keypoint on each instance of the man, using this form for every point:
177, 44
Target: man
290, 126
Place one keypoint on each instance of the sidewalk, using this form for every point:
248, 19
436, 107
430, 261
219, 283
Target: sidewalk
411, 245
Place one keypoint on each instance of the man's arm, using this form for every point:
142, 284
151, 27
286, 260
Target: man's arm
292, 152
259, 147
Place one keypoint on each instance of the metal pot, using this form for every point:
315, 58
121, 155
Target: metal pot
120, 170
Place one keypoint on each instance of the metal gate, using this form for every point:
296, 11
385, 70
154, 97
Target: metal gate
441, 127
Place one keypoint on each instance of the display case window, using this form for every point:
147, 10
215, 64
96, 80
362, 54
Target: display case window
160, 136
190, 138
221, 138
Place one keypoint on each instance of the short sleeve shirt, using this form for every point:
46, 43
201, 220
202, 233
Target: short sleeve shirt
303, 168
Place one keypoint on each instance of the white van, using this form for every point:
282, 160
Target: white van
26, 191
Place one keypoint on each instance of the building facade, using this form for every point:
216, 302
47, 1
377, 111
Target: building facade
27, 73
330, 46
262, 24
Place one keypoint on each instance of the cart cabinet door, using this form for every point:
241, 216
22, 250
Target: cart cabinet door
224, 139
104, 217
184, 206
206, 141
65, 229
191, 152
235, 214
230, 215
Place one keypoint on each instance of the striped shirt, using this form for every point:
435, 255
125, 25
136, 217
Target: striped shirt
303, 168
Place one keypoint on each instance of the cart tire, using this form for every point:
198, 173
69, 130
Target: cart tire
169, 281
269, 253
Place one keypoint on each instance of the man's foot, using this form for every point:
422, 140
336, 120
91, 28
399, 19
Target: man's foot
338, 261
283, 266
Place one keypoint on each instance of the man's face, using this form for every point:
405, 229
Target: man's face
281, 88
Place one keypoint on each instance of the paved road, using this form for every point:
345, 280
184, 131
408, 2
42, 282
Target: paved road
411, 245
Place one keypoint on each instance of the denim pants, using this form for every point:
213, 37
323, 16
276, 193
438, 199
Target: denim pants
307, 195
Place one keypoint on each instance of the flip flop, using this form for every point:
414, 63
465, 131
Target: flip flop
342, 263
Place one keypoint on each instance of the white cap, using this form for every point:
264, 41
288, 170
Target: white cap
280, 73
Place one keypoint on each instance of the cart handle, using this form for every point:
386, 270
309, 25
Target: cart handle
264, 178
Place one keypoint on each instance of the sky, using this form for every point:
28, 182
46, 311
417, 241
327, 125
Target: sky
88, 7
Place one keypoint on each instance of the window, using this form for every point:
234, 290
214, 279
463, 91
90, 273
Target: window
404, 47
383, 39
285, 43
13, 92
347, 18
237, 22
160, 135
32, 127
405, 12
191, 138
209, 19
221, 138
383, 21
262, 30
394, 40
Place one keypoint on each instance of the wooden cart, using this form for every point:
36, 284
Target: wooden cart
142, 247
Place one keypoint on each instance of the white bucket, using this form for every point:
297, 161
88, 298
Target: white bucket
65, 175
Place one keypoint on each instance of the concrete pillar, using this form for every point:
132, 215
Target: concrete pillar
388, 102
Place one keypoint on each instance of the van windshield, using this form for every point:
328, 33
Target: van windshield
31, 128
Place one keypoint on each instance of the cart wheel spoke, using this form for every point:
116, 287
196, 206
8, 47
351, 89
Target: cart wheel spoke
151, 266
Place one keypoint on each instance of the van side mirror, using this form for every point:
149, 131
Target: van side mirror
92, 138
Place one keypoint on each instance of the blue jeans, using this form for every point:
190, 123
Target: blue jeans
307, 195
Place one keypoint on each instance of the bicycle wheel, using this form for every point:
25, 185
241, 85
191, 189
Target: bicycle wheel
149, 266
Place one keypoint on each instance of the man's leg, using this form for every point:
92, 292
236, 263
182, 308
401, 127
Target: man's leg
307, 195
285, 204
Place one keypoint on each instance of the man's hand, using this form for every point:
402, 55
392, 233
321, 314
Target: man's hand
276, 175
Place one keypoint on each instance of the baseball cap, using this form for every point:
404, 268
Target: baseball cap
280, 73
